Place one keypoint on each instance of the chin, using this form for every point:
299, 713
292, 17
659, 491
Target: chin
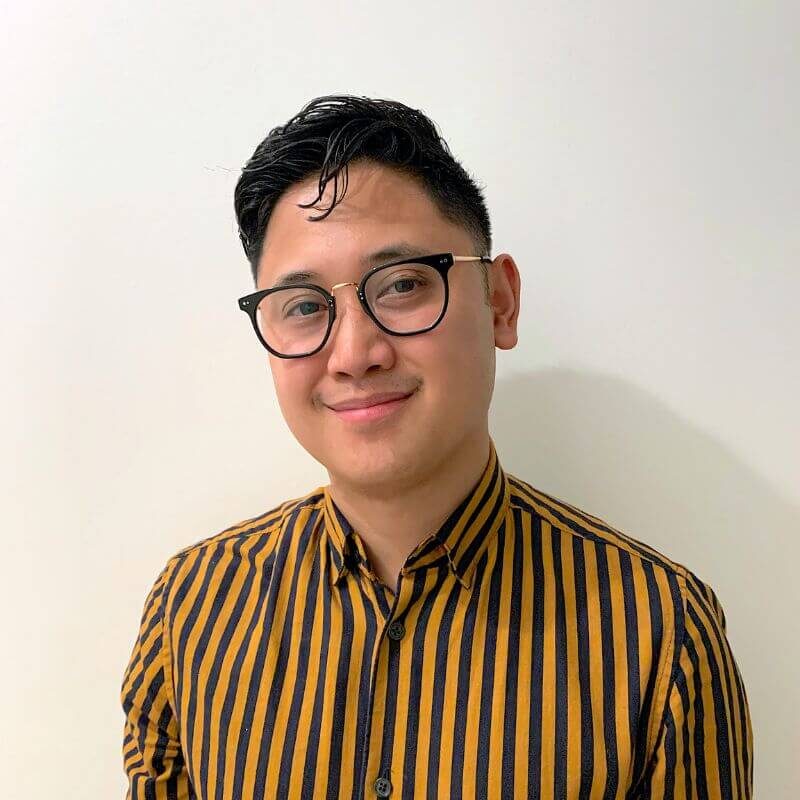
373, 462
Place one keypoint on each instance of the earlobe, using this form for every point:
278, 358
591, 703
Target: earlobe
505, 339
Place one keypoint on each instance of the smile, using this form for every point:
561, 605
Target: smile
374, 413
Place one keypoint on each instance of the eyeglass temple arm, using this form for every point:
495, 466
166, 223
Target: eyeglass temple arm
472, 258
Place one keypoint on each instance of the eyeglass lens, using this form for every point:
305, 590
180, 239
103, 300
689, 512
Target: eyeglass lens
406, 298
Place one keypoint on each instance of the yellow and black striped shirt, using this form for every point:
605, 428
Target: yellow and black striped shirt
529, 649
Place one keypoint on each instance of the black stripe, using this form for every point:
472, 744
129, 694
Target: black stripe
313, 734
557, 511
632, 642
721, 717
721, 725
475, 545
300, 677
224, 645
288, 634
259, 613
463, 680
364, 711
609, 682
272, 591
537, 655
439, 686
512, 662
560, 744
699, 712
587, 723
670, 756
393, 676
489, 654
340, 707
415, 684
656, 637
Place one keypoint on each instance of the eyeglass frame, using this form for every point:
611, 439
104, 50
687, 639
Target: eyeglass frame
441, 262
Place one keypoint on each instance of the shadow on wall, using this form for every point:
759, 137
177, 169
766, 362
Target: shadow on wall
616, 451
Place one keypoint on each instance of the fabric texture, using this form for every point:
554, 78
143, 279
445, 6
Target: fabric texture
529, 649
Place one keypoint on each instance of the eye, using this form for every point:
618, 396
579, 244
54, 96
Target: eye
306, 307
406, 283
401, 285
298, 305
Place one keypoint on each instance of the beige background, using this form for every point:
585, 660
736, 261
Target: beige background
641, 164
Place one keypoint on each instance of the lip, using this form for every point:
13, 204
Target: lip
376, 407
372, 400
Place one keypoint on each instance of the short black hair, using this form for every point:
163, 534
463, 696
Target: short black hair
333, 130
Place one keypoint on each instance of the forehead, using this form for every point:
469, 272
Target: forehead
381, 208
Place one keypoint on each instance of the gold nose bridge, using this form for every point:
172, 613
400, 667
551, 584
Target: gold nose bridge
349, 283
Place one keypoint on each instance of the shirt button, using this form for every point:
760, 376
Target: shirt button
383, 787
396, 630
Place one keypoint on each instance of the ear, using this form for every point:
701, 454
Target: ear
504, 293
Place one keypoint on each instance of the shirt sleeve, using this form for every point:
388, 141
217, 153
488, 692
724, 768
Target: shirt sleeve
152, 755
705, 745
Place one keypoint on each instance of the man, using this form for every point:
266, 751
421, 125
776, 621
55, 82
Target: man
425, 625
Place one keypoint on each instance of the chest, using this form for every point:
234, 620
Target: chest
513, 688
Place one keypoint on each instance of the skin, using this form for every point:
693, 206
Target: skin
398, 479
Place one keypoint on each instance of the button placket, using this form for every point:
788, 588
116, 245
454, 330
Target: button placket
374, 763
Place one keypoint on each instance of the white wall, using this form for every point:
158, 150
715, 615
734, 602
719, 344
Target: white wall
640, 163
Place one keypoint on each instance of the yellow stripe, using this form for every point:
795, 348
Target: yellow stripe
303, 535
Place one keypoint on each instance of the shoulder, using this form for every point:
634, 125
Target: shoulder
262, 530
599, 534
674, 600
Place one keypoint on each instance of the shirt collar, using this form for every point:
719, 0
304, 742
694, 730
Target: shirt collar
459, 541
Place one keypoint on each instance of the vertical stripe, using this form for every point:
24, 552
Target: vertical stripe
587, 717
443, 676
513, 594
347, 672
522, 743
609, 679
302, 673
465, 699
629, 639
544, 654
560, 658
537, 652
484, 744
418, 710
303, 784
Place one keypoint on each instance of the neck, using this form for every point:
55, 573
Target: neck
392, 524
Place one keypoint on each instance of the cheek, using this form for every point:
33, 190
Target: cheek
473, 364
293, 387
468, 342
457, 359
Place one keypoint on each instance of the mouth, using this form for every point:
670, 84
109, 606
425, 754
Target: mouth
374, 413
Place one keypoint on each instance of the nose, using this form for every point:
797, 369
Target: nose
356, 344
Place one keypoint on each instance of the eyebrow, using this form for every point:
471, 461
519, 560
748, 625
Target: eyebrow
386, 253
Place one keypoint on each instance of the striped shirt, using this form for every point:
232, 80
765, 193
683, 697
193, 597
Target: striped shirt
528, 649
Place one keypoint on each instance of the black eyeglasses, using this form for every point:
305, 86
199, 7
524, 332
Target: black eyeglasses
403, 298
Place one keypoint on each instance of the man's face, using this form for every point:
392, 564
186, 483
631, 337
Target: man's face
449, 371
